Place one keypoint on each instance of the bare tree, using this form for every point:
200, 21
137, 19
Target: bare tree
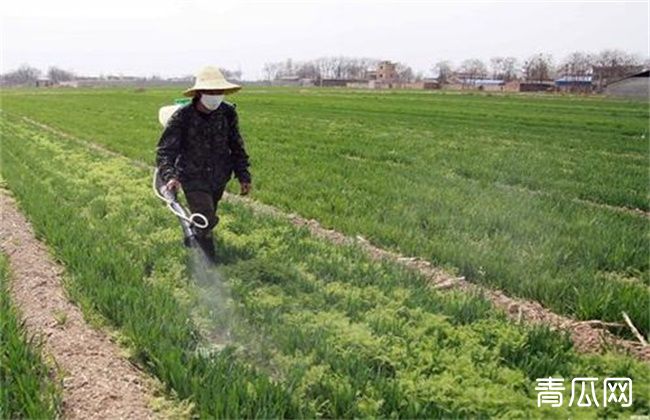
328, 67
496, 64
307, 70
611, 65
339, 67
472, 70
616, 58
509, 68
503, 68
271, 71
369, 64
57, 75
357, 68
538, 68
404, 73
510, 65
287, 69
577, 63
444, 70
331, 67
24, 75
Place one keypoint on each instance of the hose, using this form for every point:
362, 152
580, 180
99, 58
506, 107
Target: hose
192, 219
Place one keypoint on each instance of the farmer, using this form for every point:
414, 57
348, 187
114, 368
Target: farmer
200, 149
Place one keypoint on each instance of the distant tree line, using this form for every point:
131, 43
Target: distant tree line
605, 65
338, 67
26, 74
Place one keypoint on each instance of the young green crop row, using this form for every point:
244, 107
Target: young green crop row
26, 389
505, 190
318, 329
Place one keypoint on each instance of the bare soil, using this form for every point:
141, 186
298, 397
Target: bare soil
98, 381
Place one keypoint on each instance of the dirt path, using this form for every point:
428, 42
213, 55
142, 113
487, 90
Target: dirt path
97, 381
587, 336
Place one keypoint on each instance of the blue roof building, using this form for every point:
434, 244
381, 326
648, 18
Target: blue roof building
574, 83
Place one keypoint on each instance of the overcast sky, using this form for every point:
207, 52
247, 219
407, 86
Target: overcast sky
176, 37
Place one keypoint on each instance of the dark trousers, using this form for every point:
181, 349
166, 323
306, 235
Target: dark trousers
205, 203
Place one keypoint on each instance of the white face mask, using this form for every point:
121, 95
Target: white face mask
211, 102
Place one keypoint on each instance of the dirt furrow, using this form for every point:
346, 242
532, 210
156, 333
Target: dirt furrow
98, 382
587, 336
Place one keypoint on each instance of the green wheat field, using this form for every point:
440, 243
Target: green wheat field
542, 197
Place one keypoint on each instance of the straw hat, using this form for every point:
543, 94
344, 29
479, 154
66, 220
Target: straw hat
210, 78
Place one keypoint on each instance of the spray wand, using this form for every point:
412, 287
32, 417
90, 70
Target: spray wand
188, 221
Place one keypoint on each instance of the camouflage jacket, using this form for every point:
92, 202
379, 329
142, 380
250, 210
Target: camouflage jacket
202, 150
